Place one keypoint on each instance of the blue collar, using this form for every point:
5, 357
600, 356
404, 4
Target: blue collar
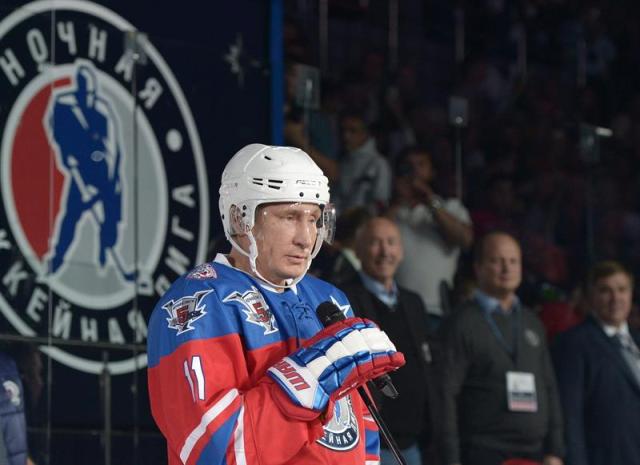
490, 304
377, 289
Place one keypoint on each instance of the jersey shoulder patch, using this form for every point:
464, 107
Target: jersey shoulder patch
203, 271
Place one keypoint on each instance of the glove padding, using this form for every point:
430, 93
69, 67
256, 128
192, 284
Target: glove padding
339, 358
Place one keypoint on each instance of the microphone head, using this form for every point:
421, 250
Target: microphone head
329, 313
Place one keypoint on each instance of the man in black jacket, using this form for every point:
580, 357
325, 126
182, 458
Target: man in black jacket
374, 294
598, 370
498, 388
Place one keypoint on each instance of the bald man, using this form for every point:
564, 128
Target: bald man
498, 389
374, 294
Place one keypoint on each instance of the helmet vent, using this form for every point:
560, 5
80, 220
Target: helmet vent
270, 183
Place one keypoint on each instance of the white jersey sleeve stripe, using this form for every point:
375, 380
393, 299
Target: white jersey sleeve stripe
207, 418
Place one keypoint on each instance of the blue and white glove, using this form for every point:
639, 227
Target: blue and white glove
338, 359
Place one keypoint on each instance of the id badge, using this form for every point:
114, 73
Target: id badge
521, 392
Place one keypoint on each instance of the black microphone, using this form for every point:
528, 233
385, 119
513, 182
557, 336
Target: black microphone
329, 313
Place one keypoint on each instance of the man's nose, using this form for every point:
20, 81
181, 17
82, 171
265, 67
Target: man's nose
618, 296
304, 235
385, 250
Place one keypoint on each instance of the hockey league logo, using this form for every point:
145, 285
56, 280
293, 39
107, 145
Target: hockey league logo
104, 197
341, 433
184, 311
256, 309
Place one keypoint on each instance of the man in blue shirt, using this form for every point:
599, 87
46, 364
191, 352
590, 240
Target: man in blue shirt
498, 390
375, 294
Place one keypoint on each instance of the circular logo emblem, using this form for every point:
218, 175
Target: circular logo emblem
341, 433
103, 183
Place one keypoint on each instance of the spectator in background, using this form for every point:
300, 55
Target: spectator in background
558, 313
400, 98
434, 229
498, 388
321, 130
501, 210
365, 177
598, 369
309, 129
30, 366
540, 223
13, 424
374, 294
344, 265
295, 135
3, 452
600, 50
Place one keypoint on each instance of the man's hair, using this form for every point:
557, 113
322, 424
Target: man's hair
348, 224
402, 166
604, 269
496, 179
478, 249
352, 113
365, 228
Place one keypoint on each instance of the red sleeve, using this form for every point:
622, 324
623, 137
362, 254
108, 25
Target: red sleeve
211, 411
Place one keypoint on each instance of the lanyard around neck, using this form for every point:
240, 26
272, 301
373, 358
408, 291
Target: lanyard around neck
516, 324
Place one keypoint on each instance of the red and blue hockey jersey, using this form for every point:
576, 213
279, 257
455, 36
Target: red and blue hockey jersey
211, 339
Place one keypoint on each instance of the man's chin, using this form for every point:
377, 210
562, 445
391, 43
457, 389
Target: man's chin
292, 272
280, 277
503, 291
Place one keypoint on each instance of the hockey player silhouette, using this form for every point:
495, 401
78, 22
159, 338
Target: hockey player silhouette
83, 128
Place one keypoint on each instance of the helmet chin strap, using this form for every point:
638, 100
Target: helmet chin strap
253, 256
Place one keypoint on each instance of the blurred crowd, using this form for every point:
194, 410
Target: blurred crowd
526, 165
522, 145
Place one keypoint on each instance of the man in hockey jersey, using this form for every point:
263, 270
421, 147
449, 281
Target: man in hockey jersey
240, 368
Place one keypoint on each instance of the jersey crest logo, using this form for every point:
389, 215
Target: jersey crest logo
341, 433
256, 309
204, 271
186, 310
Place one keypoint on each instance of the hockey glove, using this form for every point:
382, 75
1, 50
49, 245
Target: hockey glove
339, 358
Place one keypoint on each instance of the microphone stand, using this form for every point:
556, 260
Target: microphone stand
384, 431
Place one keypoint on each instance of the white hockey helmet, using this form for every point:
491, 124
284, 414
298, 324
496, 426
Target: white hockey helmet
260, 174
